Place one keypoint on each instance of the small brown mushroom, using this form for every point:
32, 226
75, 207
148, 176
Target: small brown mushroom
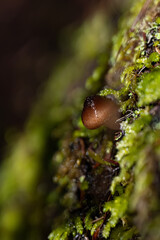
98, 111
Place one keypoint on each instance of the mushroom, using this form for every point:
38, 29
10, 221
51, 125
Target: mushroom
101, 111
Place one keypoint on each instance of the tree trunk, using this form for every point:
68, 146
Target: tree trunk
106, 181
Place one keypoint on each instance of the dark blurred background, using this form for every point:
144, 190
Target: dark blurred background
29, 49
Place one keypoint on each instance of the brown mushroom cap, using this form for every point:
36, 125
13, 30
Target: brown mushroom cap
98, 111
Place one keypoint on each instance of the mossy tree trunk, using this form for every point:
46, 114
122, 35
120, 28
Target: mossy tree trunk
106, 183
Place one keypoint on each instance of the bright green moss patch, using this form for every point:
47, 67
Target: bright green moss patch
117, 208
96, 226
61, 233
145, 197
158, 20
154, 57
148, 88
127, 148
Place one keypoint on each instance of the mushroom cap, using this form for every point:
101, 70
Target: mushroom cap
98, 111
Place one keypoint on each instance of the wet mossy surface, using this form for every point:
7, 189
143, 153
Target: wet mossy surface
111, 178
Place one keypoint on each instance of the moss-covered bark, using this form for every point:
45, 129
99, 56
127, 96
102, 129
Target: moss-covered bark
106, 183
119, 201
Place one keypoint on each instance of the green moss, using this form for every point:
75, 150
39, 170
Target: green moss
96, 157
127, 148
118, 208
86, 182
61, 233
88, 221
96, 226
79, 225
148, 88
154, 57
123, 233
138, 90
158, 20
129, 234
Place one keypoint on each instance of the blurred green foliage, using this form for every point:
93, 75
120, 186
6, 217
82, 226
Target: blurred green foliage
27, 169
